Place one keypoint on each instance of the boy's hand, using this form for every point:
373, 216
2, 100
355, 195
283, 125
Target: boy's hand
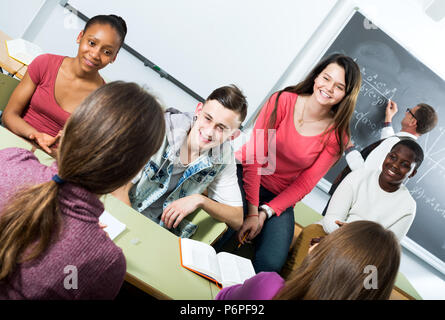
179, 209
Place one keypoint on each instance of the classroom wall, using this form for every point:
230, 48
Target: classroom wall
208, 50
46, 23
15, 24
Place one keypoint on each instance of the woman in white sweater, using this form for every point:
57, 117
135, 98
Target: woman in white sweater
374, 195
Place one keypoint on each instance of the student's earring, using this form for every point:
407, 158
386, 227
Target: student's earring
195, 118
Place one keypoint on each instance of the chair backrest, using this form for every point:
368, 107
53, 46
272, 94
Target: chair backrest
7, 86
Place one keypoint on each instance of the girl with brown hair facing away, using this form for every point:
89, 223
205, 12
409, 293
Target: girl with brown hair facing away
55, 85
48, 228
303, 130
358, 261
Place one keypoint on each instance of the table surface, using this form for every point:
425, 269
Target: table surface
151, 252
21, 73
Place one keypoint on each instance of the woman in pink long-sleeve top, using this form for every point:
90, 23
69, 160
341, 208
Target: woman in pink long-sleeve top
51, 246
299, 134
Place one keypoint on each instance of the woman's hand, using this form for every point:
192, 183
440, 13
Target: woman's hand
103, 226
249, 228
262, 217
45, 141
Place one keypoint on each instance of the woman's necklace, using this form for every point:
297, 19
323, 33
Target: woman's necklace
301, 121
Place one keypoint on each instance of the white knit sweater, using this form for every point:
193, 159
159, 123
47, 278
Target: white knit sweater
360, 197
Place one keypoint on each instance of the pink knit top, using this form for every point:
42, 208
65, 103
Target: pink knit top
44, 113
292, 167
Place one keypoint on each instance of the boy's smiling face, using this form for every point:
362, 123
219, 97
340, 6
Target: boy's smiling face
214, 125
398, 164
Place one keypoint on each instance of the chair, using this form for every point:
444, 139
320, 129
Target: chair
7, 86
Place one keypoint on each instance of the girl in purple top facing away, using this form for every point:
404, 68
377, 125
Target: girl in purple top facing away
55, 85
338, 267
51, 245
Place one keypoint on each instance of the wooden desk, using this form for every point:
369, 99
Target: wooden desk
304, 216
21, 73
6, 62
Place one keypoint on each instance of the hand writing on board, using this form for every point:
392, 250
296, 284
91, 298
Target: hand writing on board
391, 110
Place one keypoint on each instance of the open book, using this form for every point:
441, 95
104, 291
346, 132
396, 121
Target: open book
114, 226
225, 269
22, 50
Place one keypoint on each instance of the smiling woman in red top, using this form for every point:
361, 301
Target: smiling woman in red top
299, 134
54, 86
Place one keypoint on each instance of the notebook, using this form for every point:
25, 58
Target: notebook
22, 50
114, 226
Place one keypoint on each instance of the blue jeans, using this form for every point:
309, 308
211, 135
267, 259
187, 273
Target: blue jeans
273, 243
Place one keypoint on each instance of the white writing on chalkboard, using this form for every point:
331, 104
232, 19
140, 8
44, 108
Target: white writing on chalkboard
419, 193
434, 163
436, 158
376, 90
362, 118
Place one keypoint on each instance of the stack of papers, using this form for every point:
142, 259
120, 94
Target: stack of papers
22, 50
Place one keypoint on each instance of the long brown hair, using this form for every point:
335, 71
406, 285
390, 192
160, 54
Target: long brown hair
335, 269
344, 110
105, 142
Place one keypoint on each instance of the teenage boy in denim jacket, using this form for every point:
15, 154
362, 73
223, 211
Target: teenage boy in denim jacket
196, 158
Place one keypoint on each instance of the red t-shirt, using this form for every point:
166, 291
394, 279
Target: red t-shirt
296, 165
44, 113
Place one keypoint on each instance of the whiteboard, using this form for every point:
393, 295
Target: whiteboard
207, 44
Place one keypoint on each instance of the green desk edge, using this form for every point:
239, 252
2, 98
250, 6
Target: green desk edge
305, 216
10, 140
152, 255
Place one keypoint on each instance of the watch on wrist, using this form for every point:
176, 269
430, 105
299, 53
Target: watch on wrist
268, 210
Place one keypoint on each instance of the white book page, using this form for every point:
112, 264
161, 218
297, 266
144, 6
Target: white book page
114, 226
201, 257
23, 50
234, 269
